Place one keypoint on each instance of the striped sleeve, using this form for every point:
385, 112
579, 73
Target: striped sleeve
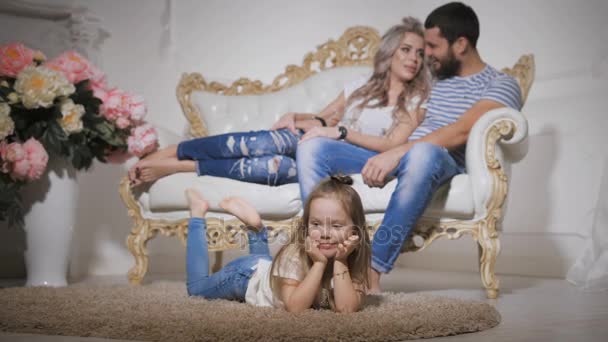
505, 90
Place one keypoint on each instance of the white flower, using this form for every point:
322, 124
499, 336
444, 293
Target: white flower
13, 98
39, 86
7, 126
72, 113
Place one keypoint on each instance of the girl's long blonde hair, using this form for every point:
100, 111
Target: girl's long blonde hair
376, 88
340, 189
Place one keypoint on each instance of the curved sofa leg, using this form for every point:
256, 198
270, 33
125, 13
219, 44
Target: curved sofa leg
489, 248
136, 242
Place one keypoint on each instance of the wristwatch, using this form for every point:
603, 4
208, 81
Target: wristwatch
343, 132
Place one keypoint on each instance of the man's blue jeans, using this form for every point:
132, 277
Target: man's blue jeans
263, 157
419, 173
231, 281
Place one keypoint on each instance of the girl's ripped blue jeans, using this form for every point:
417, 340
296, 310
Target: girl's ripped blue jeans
232, 280
263, 157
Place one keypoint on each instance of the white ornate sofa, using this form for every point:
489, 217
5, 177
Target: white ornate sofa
471, 203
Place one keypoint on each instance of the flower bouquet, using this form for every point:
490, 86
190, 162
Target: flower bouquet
61, 108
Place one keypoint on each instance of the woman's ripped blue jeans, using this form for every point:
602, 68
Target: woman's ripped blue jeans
263, 157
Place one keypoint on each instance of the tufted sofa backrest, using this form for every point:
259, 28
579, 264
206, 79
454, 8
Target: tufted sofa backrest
214, 108
227, 113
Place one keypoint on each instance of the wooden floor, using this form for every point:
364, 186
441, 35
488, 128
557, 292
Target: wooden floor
532, 309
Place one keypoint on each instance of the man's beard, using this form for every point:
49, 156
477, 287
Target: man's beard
448, 67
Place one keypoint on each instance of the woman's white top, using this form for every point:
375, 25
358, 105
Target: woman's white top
371, 121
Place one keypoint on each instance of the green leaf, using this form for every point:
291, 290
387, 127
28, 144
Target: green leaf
11, 208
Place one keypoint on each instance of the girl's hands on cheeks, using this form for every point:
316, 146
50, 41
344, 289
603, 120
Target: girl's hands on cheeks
312, 248
347, 247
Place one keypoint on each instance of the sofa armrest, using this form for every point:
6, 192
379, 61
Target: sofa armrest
497, 139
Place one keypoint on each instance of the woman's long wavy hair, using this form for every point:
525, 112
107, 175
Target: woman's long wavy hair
340, 189
377, 86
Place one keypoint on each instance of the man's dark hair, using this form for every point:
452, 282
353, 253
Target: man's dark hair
455, 20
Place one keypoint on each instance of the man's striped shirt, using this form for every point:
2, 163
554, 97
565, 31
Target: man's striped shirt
452, 97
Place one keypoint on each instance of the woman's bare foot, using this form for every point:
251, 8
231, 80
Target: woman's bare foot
151, 170
198, 206
169, 152
244, 211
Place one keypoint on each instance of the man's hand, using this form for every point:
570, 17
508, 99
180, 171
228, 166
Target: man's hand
328, 132
286, 121
379, 166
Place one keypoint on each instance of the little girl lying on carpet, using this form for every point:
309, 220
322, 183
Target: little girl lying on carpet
324, 264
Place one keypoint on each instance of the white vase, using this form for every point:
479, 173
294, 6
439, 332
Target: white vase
50, 207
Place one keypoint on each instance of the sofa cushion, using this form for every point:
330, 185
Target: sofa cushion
452, 200
273, 203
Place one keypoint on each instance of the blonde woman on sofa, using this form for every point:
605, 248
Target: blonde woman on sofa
378, 112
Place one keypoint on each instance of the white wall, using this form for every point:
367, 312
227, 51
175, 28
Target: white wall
554, 190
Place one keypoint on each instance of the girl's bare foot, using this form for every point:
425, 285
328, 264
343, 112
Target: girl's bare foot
243, 211
198, 206
151, 170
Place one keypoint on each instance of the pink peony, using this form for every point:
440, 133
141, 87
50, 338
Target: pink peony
111, 107
76, 68
137, 107
12, 152
24, 162
14, 57
37, 156
20, 169
122, 123
121, 107
143, 140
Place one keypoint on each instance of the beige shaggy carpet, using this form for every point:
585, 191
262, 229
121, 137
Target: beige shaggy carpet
163, 312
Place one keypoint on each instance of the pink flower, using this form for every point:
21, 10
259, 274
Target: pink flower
137, 107
143, 140
76, 68
122, 123
14, 57
20, 169
10, 153
24, 162
111, 107
37, 156
121, 107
